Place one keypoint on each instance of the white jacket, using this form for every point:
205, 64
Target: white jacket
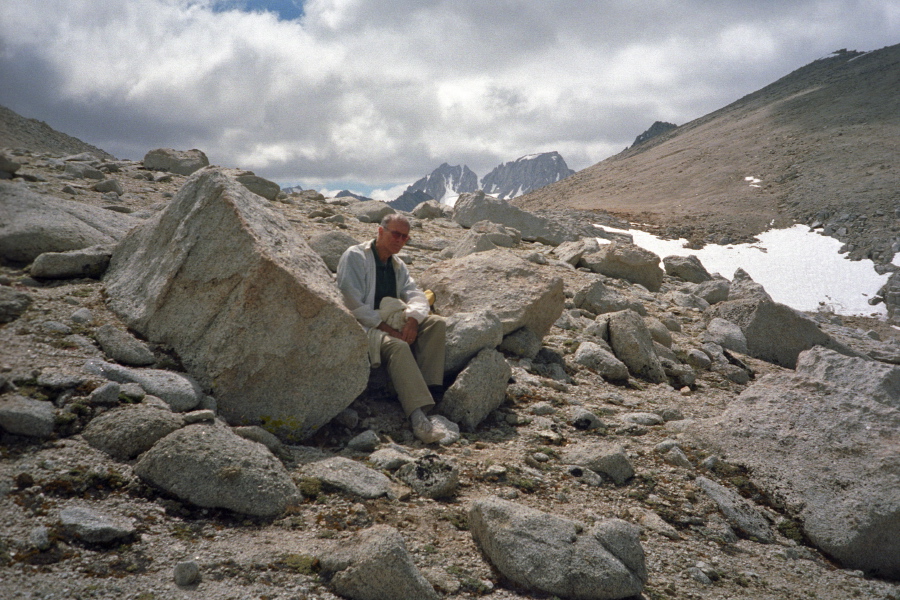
356, 280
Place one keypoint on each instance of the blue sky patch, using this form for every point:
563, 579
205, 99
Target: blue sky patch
287, 10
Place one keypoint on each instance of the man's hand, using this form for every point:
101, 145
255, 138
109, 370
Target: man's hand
410, 331
408, 334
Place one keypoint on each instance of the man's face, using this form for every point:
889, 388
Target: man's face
393, 237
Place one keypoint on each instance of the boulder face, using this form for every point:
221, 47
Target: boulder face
519, 293
32, 223
182, 162
472, 208
249, 307
823, 442
626, 261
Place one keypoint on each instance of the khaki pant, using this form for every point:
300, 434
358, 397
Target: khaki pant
414, 368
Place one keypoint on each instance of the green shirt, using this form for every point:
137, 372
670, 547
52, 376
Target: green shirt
385, 280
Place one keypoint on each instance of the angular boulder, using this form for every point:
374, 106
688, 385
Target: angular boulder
251, 310
467, 335
774, 332
824, 442
88, 262
32, 223
474, 207
553, 555
520, 293
181, 162
130, 430
330, 246
626, 261
477, 391
208, 465
687, 268
632, 343
374, 565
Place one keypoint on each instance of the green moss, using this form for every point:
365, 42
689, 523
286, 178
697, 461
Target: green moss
791, 530
310, 487
298, 563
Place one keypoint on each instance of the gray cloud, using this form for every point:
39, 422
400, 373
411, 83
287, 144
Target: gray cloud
380, 92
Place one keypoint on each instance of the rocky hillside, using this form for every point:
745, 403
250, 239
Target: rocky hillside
18, 132
623, 429
819, 146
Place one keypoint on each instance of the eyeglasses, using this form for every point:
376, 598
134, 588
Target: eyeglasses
402, 237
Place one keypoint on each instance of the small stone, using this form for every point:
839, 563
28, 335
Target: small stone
367, 441
40, 538
106, 395
187, 573
540, 457
199, 416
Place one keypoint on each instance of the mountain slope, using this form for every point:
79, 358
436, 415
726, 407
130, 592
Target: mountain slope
823, 143
18, 132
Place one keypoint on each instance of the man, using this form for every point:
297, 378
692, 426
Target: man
413, 348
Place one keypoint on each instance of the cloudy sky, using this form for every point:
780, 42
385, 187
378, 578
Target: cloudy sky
373, 94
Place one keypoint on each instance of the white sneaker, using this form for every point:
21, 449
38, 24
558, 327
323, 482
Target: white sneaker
422, 427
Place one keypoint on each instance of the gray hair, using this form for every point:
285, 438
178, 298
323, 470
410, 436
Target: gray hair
394, 218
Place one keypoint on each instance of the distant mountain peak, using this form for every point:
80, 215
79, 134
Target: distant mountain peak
525, 174
446, 183
658, 128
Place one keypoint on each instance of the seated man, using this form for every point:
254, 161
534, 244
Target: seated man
413, 348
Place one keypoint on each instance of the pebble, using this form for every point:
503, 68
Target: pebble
187, 572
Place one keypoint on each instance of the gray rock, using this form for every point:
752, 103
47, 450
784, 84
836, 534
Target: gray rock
714, 290
370, 211
250, 309
740, 514
571, 252
26, 416
626, 261
474, 207
726, 334
686, 300
606, 459
8, 166
430, 209
106, 395
39, 538
477, 391
182, 162
467, 335
374, 565
109, 185
391, 458
83, 316
95, 527
658, 331
550, 554
88, 262
597, 358
774, 332
643, 418
633, 345
349, 476
367, 441
32, 223
208, 465
256, 184
698, 359
744, 288
261, 436
521, 342
123, 347
13, 304
187, 573
430, 476
687, 268
519, 293
585, 420
875, 380
179, 391
598, 298
820, 441
471, 243
203, 415
130, 430
83, 170
330, 246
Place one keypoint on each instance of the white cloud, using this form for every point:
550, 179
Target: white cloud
385, 90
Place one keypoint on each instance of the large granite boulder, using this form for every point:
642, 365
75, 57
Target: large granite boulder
478, 390
208, 465
474, 207
773, 332
181, 162
686, 268
632, 343
251, 310
520, 293
554, 555
626, 261
824, 443
32, 223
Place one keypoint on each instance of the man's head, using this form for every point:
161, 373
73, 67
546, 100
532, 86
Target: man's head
393, 233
